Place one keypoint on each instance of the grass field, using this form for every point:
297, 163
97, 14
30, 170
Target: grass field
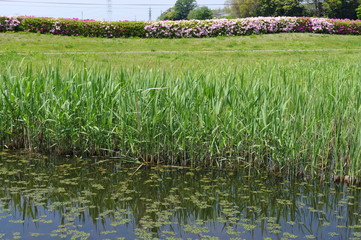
29, 42
106, 52
283, 110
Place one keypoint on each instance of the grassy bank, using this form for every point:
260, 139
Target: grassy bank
39, 43
286, 111
107, 53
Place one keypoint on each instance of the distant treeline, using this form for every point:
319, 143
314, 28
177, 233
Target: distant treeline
350, 9
341, 9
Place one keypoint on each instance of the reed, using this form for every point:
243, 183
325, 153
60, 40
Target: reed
299, 118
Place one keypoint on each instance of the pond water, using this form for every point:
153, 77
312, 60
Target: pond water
52, 198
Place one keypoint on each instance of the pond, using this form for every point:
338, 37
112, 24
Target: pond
72, 198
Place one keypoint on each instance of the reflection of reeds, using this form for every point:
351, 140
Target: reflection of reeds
149, 195
288, 117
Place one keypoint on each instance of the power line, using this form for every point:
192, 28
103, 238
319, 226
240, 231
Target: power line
91, 7
85, 4
105, 4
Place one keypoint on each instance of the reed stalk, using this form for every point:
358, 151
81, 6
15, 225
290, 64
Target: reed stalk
302, 119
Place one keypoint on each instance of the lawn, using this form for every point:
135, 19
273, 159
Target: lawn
35, 43
107, 52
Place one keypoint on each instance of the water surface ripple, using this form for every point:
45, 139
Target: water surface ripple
52, 198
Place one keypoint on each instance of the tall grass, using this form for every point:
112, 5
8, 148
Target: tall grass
298, 118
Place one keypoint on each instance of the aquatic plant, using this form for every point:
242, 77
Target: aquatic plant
300, 119
42, 196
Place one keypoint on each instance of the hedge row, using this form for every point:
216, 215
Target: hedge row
178, 29
73, 27
246, 26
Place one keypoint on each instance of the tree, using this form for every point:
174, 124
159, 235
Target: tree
243, 8
332, 7
183, 7
291, 8
313, 8
341, 8
268, 8
170, 14
233, 7
253, 8
200, 13
282, 8
249, 8
318, 8
358, 12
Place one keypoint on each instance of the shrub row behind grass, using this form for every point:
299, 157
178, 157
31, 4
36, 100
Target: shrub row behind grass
73, 27
179, 29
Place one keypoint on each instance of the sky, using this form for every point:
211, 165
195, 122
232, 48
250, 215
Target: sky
132, 10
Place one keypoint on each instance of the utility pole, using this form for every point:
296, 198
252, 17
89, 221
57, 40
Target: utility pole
109, 11
150, 14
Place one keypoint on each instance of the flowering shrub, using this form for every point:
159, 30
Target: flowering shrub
9, 24
237, 27
345, 26
179, 29
97, 28
246, 26
32, 24
73, 27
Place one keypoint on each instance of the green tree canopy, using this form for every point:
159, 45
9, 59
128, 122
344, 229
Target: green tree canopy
341, 8
314, 8
281, 8
328, 8
248, 8
358, 12
253, 8
200, 13
183, 7
170, 14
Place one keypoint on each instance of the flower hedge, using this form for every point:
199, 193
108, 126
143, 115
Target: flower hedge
247, 26
73, 27
179, 29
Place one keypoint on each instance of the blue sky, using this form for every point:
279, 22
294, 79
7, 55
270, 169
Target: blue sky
98, 11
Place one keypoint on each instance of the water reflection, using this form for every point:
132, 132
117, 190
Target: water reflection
49, 198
